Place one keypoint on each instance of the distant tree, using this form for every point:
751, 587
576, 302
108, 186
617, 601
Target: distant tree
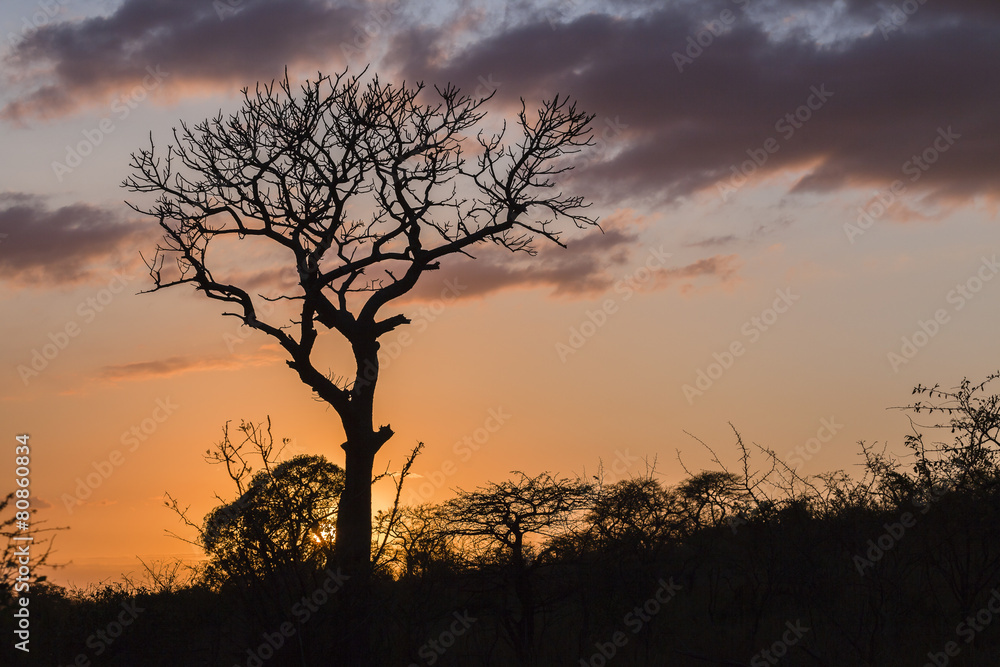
515, 526
415, 541
636, 517
283, 518
12, 582
272, 543
956, 485
709, 498
972, 460
509, 522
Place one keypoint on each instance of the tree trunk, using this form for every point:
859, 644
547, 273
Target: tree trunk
353, 552
353, 544
354, 515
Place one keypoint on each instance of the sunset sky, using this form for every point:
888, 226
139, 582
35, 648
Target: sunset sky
799, 213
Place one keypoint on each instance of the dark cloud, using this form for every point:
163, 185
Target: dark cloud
189, 42
45, 246
583, 268
664, 133
714, 241
591, 264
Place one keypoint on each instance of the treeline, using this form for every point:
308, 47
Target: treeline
750, 564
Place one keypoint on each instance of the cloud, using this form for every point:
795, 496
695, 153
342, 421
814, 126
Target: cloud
44, 246
104, 502
39, 503
585, 267
714, 241
590, 265
757, 232
193, 42
675, 117
178, 365
725, 268
665, 134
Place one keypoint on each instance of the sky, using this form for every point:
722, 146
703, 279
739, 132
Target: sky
798, 211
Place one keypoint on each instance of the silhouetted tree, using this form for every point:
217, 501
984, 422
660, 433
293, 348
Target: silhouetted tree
955, 490
972, 460
416, 542
284, 515
709, 498
636, 518
271, 544
12, 581
512, 526
284, 520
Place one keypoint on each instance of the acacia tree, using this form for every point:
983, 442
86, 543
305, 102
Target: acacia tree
363, 187
518, 526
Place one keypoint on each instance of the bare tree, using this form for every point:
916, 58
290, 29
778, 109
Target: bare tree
363, 187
